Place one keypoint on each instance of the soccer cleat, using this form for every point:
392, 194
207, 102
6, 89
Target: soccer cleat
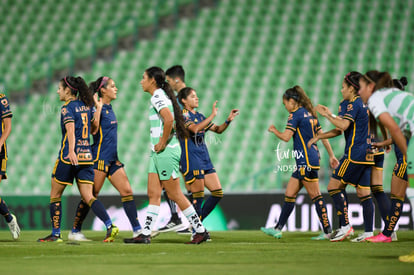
394, 237
141, 238
407, 258
185, 231
341, 233
198, 238
321, 237
77, 236
14, 227
380, 238
50, 238
172, 225
272, 232
111, 233
136, 233
362, 237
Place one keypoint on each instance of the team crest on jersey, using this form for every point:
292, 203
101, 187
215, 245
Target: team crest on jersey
290, 117
5, 102
349, 107
64, 111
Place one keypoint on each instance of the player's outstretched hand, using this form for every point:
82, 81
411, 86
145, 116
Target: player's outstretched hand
323, 110
233, 114
215, 109
272, 128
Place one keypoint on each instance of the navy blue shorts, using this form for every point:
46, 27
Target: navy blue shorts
65, 173
109, 167
305, 173
400, 169
195, 166
379, 161
355, 174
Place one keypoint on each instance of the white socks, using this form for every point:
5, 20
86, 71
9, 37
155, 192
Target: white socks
152, 215
193, 218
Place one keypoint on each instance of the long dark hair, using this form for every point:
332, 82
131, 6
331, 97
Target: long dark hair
97, 85
159, 76
78, 86
381, 80
184, 93
299, 95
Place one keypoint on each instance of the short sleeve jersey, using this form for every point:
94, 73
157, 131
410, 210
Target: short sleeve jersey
76, 112
399, 104
198, 138
342, 108
105, 141
357, 136
5, 113
159, 101
305, 126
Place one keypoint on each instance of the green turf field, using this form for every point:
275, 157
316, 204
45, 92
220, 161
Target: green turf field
230, 252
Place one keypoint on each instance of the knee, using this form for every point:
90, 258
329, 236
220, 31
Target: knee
126, 191
217, 193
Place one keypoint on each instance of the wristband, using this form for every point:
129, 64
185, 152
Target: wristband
227, 122
332, 115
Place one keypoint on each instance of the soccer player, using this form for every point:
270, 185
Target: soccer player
175, 76
6, 126
105, 158
167, 124
394, 109
302, 125
75, 156
355, 166
196, 166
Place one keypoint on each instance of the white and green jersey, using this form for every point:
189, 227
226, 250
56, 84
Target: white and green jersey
399, 104
159, 101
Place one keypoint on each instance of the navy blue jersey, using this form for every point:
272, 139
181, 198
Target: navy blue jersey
105, 141
195, 143
5, 113
305, 126
357, 137
198, 138
342, 107
76, 112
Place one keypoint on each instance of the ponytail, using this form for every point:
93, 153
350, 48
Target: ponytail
178, 115
299, 95
400, 83
95, 86
78, 87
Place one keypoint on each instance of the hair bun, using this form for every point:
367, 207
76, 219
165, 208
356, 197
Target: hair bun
404, 81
